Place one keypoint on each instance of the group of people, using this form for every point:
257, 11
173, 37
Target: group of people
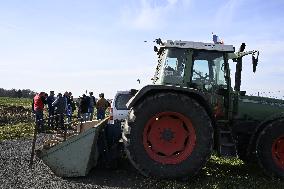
87, 105
64, 105
58, 107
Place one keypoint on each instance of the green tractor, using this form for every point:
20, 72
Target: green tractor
192, 109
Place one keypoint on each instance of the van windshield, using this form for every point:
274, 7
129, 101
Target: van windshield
121, 101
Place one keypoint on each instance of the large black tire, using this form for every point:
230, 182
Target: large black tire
269, 144
165, 102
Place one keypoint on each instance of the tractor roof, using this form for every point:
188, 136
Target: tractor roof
199, 45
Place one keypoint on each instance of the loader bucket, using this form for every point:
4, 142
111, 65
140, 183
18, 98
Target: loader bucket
77, 155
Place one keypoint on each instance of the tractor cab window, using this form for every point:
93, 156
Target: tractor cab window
208, 69
173, 68
218, 71
200, 73
174, 61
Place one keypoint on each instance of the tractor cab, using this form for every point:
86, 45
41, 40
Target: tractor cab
193, 64
204, 67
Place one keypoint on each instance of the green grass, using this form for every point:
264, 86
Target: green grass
21, 130
18, 130
223, 173
25, 102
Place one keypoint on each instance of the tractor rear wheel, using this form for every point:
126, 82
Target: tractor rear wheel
270, 149
168, 136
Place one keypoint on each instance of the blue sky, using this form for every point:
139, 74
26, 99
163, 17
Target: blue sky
99, 45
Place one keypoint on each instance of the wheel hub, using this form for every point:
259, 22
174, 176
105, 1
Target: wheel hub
169, 137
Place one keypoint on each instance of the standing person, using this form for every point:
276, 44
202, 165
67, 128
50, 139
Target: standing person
84, 107
69, 106
102, 105
60, 108
38, 105
66, 98
92, 104
45, 98
50, 99
78, 104
88, 104
73, 104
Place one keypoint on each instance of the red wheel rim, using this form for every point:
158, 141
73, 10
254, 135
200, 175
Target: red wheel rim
169, 137
278, 151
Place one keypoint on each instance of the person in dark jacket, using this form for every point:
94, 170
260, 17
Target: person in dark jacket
84, 107
78, 104
91, 106
60, 105
69, 110
49, 100
72, 106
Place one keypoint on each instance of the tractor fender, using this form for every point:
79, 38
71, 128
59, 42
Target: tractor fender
154, 89
262, 125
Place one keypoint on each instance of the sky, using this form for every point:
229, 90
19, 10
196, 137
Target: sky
68, 45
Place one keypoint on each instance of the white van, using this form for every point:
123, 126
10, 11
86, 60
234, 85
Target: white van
118, 110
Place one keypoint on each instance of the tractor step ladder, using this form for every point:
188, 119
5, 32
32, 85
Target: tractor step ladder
227, 144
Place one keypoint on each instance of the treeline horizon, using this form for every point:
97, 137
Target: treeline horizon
17, 93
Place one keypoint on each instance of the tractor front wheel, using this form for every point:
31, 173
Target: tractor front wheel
168, 136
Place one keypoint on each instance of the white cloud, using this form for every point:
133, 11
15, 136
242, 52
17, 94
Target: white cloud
225, 15
150, 14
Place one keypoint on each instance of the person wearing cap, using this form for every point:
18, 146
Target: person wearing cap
50, 99
101, 106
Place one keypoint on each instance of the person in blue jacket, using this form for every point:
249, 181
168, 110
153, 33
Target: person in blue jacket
50, 99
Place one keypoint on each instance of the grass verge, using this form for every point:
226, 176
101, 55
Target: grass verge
223, 173
25, 102
20, 130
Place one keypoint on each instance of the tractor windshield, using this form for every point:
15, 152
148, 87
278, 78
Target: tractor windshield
208, 69
170, 69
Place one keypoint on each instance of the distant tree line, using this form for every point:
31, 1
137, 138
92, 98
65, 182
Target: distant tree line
17, 93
